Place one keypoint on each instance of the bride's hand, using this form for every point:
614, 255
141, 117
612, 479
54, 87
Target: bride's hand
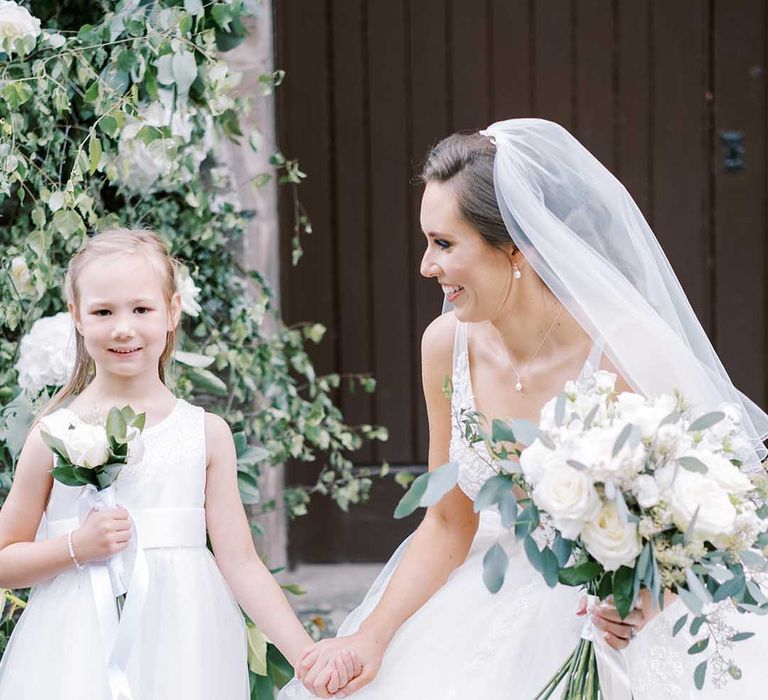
316, 669
618, 632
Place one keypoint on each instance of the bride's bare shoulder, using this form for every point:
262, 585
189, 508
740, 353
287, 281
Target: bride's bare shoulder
437, 341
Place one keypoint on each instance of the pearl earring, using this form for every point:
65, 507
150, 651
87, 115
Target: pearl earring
517, 272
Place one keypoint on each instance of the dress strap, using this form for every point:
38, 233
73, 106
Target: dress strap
461, 391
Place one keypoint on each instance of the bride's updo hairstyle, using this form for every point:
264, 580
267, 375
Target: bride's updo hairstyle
100, 247
466, 161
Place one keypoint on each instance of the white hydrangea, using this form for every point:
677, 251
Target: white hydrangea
47, 353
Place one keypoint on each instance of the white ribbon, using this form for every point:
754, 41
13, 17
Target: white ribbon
612, 668
107, 583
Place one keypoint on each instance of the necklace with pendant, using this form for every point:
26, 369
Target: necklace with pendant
519, 383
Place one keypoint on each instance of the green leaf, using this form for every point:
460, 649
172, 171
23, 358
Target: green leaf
492, 491
92, 93
580, 574
562, 549
441, 481
68, 222
550, 567
692, 464
65, 475
623, 590
525, 431
117, 427
94, 154
699, 675
623, 437
108, 125
697, 587
495, 564
533, 553
241, 442
207, 381
732, 588
527, 521
249, 488
257, 650
184, 69
679, 624
560, 409
741, 636
698, 647
692, 602
501, 431
508, 509
410, 501
706, 421
280, 671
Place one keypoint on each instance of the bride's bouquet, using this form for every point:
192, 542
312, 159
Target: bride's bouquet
624, 494
92, 455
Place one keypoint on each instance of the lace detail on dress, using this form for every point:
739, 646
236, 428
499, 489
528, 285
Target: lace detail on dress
474, 467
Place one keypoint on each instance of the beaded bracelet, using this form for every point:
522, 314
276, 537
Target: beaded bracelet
71, 550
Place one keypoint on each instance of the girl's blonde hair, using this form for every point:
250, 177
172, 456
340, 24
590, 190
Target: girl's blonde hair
118, 241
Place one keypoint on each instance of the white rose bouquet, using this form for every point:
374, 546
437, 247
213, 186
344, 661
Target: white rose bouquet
92, 456
624, 493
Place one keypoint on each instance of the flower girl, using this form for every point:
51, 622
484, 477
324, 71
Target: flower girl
180, 633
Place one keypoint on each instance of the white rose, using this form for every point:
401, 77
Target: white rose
22, 279
86, 445
595, 451
16, 22
569, 497
672, 441
627, 403
610, 540
188, 291
647, 491
691, 491
727, 476
536, 460
47, 353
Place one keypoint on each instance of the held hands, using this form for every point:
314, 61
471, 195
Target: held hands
618, 632
340, 666
103, 534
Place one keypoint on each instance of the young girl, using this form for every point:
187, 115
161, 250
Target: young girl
191, 640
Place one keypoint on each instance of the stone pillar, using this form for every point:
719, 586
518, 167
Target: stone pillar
261, 244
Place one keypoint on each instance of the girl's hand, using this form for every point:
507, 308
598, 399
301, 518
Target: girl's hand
618, 632
317, 670
103, 534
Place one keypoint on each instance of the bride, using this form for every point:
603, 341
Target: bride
550, 271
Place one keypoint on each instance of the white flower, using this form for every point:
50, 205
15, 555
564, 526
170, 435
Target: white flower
47, 353
595, 451
646, 490
536, 460
16, 22
188, 291
691, 491
569, 497
22, 279
628, 402
648, 416
610, 540
86, 445
140, 165
672, 440
604, 382
727, 476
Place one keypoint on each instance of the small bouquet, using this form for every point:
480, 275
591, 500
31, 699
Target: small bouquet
92, 455
625, 493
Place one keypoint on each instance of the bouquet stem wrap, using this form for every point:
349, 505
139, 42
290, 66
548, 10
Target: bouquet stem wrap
612, 666
108, 581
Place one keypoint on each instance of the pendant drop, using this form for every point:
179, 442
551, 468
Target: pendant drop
518, 386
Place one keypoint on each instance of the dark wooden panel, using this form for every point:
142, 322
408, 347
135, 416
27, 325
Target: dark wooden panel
429, 63
351, 206
470, 71
594, 23
680, 144
554, 61
740, 221
308, 291
511, 46
389, 228
634, 100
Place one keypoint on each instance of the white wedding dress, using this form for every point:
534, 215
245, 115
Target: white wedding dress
465, 643
191, 642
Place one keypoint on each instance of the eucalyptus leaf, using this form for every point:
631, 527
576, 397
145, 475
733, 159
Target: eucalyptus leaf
525, 431
533, 553
492, 491
441, 481
501, 431
508, 509
679, 624
495, 564
410, 501
699, 675
692, 464
706, 421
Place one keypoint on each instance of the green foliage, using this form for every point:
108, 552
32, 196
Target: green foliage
114, 116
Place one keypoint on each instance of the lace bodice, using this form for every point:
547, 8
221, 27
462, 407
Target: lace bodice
474, 462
